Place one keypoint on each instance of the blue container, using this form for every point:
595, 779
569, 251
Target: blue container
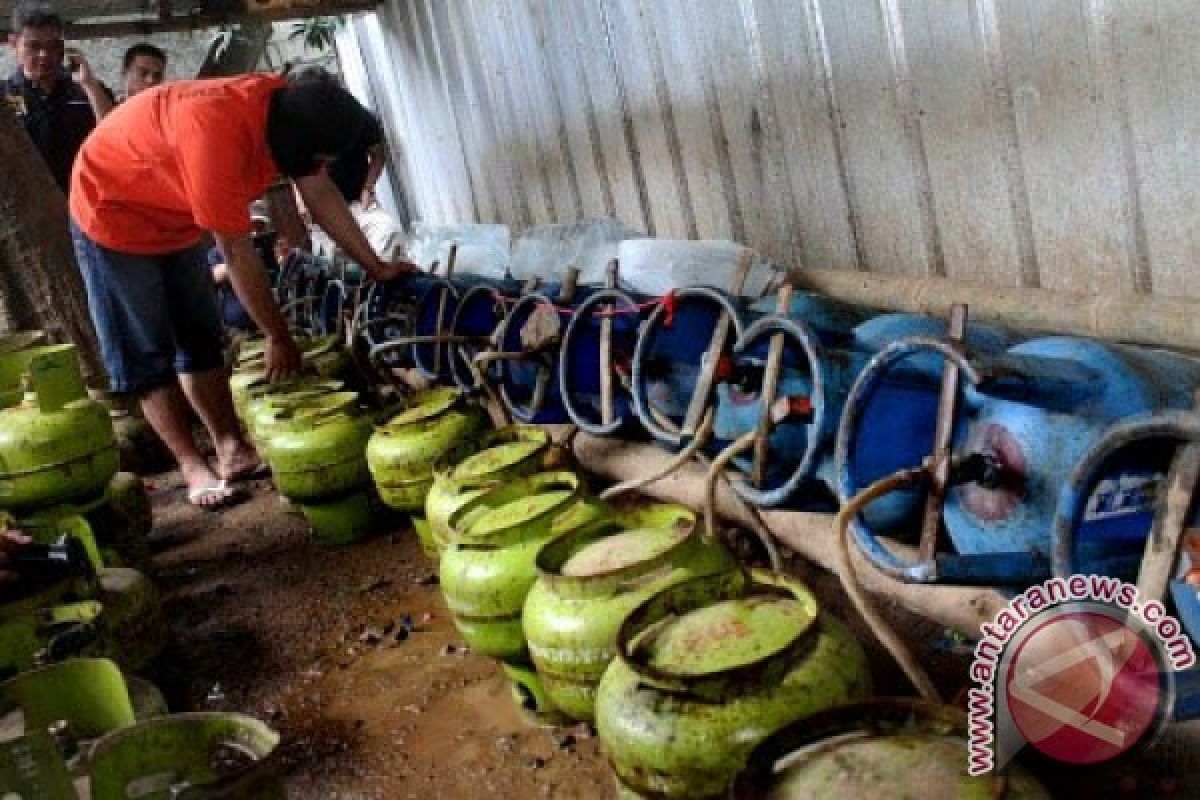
579, 368
480, 312
1025, 418
1106, 511
388, 314
669, 353
820, 363
1107, 506
427, 356
432, 359
529, 386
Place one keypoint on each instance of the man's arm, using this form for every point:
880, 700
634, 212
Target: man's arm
97, 95
329, 210
250, 285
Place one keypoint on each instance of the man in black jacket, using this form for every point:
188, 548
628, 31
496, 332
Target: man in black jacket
58, 108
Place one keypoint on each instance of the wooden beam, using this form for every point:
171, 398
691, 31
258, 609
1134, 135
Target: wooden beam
192, 21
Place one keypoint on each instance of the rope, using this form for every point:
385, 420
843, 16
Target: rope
667, 301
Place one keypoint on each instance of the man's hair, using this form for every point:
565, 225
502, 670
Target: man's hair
36, 15
310, 75
306, 120
142, 49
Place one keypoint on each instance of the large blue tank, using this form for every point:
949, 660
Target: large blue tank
669, 355
441, 301
1107, 505
529, 385
1024, 419
1106, 512
824, 351
396, 311
388, 315
480, 312
580, 369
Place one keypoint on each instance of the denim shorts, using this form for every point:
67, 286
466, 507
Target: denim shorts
155, 316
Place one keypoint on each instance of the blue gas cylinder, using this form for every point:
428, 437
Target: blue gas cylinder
1024, 419
670, 352
580, 369
481, 310
531, 335
439, 302
821, 360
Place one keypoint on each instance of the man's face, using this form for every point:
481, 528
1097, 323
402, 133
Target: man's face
145, 72
40, 53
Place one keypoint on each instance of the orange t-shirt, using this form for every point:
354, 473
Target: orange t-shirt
175, 161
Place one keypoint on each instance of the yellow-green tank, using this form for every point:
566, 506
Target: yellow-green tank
588, 581
709, 668
439, 425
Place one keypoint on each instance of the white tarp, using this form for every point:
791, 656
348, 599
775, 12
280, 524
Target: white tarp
656, 266
547, 251
482, 249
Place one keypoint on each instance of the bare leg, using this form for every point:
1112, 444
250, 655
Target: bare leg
167, 411
208, 392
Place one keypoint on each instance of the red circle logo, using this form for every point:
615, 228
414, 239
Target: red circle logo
1084, 687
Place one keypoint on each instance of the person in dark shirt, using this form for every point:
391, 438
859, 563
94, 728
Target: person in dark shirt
58, 107
143, 67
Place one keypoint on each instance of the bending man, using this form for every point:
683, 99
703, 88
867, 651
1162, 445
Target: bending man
161, 169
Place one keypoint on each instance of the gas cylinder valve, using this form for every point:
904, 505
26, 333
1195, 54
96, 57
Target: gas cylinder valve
985, 470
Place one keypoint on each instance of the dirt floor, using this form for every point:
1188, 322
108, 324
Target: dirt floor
316, 641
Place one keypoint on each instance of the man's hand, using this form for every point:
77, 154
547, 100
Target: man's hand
383, 271
81, 70
10, 542
283, 358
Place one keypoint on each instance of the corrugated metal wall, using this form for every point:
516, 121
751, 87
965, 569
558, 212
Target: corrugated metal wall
1051, 143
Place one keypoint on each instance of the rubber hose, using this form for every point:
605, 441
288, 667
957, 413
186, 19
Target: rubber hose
685, 455
715, 472
879, 626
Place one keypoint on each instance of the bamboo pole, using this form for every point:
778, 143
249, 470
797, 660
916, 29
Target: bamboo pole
1154, 320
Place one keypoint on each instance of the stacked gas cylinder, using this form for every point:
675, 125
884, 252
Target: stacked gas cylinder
59, 484
632, 617
74, 630
313, 433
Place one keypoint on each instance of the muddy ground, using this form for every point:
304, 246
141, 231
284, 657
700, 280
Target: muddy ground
267, 622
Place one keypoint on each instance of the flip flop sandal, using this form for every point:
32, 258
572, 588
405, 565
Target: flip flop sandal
256, 472
216, 496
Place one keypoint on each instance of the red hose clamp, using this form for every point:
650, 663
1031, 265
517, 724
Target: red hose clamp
670, 302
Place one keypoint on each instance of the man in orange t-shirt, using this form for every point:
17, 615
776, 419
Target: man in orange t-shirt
159, 171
